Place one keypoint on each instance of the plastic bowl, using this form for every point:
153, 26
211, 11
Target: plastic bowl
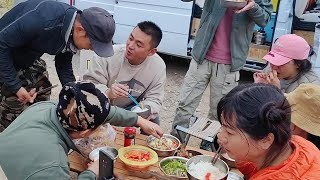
137, 165
205, 158
171, 158
160, 152
94, 155
233, 3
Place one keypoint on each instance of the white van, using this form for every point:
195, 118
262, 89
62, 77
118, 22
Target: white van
176, 20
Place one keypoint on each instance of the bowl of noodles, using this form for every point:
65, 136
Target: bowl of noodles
165, 146
137, 157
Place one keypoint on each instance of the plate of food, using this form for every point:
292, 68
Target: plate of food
174, 167
137, 157
165, 146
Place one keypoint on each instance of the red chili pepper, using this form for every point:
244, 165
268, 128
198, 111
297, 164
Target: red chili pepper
207, 177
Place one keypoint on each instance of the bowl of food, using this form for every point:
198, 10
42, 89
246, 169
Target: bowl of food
174, 167
138, 157
165, 146
225, 157
200, 167
143, 111
94, 155
187, 153
233, 3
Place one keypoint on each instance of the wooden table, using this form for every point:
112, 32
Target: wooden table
79, 164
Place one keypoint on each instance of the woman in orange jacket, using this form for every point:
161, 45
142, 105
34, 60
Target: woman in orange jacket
256, 133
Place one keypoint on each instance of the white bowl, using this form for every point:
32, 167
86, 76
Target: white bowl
94, 155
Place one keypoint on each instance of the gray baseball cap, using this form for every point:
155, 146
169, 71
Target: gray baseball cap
100, 27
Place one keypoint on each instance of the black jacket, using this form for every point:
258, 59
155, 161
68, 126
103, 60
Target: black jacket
29, 30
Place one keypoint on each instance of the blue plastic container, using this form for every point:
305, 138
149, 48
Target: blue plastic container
269, 28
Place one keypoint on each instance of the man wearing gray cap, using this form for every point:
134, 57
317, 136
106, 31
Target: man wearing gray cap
35, 27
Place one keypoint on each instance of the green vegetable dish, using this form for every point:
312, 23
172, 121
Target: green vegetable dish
175, 167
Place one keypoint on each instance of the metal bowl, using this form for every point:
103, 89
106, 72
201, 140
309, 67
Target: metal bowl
94, 155
231, 162
234, 176
233, 3
170, 158
145, 113
205, 158
160, 152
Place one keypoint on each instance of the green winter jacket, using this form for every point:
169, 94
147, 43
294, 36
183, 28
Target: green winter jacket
35, 146
241, 34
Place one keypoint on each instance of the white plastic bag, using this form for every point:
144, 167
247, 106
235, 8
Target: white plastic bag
102, 136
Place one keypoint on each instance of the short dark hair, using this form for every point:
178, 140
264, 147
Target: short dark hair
258, 109
153, 30
304, 66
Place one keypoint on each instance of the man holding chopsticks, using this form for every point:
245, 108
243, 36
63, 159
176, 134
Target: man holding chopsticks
35, 27
134, 72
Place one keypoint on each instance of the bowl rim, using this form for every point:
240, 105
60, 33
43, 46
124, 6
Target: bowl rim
225, 157
171, 158
148, 139
103, 148
122, 151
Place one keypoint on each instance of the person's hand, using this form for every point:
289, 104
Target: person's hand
273, 79
249, 6
260, 78
25, 96
149, 127
117, 90
94, 167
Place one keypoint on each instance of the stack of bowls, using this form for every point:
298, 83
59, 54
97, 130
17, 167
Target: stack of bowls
238, 4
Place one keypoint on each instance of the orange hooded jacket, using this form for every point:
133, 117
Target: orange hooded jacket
304, 163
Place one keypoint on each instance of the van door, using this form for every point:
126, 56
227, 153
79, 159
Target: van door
172, 16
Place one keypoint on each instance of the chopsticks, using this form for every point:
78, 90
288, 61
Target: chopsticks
134, 100
131, 97
217, 155
46, 89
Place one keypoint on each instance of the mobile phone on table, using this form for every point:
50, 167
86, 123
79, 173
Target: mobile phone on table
106, 165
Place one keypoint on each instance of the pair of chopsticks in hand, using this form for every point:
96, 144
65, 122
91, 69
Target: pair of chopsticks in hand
132, 98
46, 89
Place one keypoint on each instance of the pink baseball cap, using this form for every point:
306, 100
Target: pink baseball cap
286, 48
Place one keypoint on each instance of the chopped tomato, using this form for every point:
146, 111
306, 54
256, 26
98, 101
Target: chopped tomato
207, 177
138, 155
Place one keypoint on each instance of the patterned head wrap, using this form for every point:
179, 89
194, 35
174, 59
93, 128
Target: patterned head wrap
90, 107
